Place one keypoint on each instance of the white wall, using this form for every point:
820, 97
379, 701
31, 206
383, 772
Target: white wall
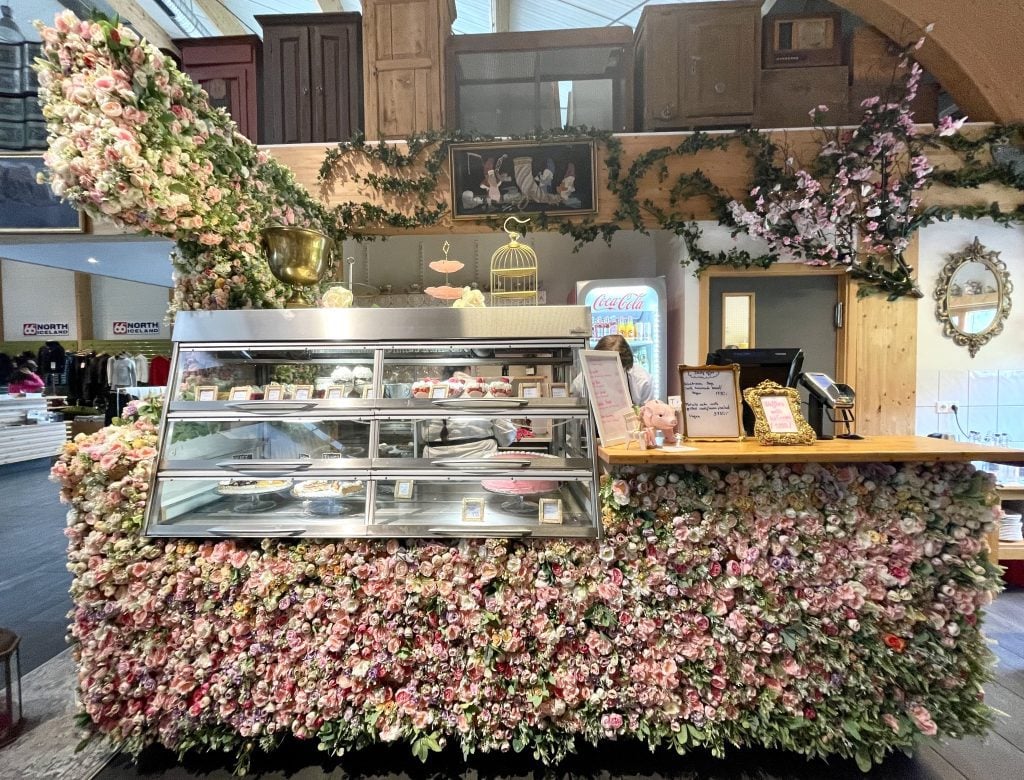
116, 300
403, 260
989, 388
37, 294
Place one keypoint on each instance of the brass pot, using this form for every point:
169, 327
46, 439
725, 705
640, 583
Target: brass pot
297, 256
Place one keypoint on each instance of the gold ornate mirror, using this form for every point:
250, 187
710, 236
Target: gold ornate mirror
973, 296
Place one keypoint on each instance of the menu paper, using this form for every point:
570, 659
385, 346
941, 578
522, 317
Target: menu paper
778, 414
609, 394
711, 402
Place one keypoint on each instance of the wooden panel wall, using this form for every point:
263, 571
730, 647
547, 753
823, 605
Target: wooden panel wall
729, 169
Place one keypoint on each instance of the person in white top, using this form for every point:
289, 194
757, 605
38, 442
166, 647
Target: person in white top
640, 388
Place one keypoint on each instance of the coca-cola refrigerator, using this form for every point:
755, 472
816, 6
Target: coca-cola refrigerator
634, 308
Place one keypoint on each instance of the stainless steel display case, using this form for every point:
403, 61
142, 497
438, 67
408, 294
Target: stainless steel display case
306, 424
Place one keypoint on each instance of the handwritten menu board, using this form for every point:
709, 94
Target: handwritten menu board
711, 402
609, 394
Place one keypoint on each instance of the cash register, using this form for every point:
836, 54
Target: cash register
829, 400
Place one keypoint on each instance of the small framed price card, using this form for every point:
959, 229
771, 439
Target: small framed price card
367, 392
472, 509
559, 390
777, 418
206, 393
273, 393
239, 394
405, 489
550, 511
334, 392
302, 392
439, 391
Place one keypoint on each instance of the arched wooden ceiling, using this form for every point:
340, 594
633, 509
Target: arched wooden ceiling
975, 49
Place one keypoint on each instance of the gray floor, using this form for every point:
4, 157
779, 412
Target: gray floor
34, 600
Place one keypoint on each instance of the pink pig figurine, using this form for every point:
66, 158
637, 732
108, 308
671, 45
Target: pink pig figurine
657, 415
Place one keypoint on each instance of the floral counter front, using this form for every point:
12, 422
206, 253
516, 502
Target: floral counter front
816, 607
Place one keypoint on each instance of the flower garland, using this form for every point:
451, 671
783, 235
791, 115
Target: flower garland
827, 610
134, 141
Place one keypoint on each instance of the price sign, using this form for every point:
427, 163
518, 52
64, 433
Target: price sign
609, 394
712, 409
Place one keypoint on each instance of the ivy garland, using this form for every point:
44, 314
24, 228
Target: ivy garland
427, 155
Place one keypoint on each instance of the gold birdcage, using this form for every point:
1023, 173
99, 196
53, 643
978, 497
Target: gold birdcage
514, 271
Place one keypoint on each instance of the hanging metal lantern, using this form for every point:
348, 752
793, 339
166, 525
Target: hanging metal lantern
11, 718
514, 271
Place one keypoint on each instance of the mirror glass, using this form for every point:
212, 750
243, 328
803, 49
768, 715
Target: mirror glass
973, 296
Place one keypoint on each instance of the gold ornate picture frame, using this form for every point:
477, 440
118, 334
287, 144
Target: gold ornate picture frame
777, 418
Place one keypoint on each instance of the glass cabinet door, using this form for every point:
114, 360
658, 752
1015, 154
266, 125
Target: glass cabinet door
293, 378
470, 506
191, 443
259, 506
462, 372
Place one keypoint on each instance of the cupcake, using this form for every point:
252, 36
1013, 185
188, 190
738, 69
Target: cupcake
455, 387
421, 389
342, 374
500, 387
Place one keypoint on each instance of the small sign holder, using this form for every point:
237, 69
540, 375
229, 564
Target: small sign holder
712, 409
608, 394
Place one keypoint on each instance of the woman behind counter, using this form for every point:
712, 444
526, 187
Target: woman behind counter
640, 388
25, 380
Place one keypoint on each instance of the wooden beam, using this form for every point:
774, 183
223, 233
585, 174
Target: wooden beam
329, 6
144, 24
83, 306
501, 15
221, 18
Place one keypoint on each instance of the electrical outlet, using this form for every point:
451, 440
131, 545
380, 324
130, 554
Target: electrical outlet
943, 408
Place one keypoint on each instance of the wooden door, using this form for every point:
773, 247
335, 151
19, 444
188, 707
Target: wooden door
720, 62
337, 83
403, 59
226, 67
659, 82
286, 84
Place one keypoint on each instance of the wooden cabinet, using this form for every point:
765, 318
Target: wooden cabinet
403, 62
312, 86
697, 64
228, 69
786, 96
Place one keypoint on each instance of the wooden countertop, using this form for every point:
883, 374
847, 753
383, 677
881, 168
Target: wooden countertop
868, 449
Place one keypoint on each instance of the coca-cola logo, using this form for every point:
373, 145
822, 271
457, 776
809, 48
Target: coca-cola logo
625, 302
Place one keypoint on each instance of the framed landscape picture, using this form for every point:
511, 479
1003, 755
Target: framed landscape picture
29, 207
500, 177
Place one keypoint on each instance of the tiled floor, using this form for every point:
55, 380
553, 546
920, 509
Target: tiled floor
33, 601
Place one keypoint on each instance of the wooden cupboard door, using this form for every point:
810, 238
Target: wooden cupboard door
404, 64
233, 88
286, 85
337, 99
720, 62
661, 82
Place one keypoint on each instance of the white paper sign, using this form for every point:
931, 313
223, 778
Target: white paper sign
609, 394
711, 403
778, 414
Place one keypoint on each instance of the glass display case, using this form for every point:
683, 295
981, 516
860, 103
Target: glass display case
376, 422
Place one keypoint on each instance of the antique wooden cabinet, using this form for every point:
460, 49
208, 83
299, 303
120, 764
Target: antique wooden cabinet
404, 65
787, 95
697, 64
515, 83
228, 69
312, 86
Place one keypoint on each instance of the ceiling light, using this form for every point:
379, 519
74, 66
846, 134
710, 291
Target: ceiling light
91, 260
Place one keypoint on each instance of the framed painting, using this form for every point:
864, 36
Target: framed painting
501, 177
27, 206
